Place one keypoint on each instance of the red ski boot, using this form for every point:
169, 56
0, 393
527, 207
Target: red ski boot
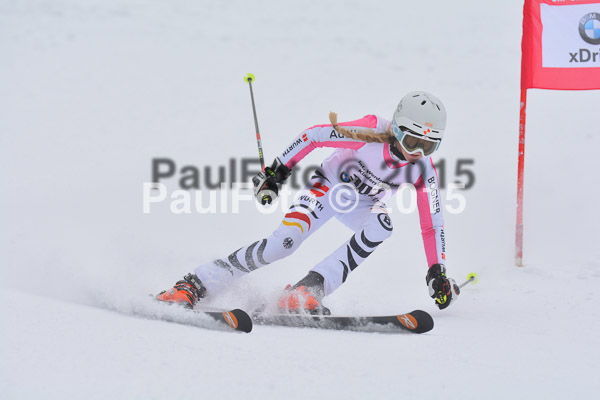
186, 292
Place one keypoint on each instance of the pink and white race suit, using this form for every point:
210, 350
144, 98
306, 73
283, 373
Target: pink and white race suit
352, 184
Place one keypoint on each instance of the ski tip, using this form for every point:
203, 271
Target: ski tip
417, 321
238, 320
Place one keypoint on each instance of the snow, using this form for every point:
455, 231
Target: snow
93, 90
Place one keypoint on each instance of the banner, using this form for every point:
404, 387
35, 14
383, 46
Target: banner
561, 44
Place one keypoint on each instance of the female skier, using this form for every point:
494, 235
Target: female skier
373, 157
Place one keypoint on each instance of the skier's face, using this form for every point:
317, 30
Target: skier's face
409, 157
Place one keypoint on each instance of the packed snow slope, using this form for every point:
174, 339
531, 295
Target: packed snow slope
92, 91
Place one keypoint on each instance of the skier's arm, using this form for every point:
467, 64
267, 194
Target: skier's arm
324, 136
430, 214
442, 289
267, 182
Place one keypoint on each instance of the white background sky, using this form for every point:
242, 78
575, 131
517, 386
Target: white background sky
91, 91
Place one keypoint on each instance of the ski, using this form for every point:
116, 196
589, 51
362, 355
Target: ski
416, 322
235, 319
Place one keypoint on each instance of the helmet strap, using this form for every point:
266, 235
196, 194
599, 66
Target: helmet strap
395, 150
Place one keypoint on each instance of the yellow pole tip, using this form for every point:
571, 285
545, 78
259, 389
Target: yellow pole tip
472, 277
249, 77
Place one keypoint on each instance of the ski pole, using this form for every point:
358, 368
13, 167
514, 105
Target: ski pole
249, 78
472, 277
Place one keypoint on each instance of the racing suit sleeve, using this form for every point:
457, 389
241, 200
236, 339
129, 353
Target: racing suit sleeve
430, 214
325, 136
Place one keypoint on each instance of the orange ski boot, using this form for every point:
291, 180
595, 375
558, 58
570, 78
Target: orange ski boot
186, 292
304, 297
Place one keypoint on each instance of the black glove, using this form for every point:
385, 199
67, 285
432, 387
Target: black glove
443, 289
266, 183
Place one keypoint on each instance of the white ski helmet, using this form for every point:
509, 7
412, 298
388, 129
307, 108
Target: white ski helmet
419, 122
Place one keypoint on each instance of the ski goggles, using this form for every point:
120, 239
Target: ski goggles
413, 143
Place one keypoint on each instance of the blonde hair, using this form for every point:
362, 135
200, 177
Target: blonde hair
364, 135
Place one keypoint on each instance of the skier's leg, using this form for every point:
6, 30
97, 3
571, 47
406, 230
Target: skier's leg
308, 213
371, 227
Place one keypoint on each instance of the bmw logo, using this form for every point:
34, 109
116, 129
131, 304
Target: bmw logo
344, 177
589, 28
